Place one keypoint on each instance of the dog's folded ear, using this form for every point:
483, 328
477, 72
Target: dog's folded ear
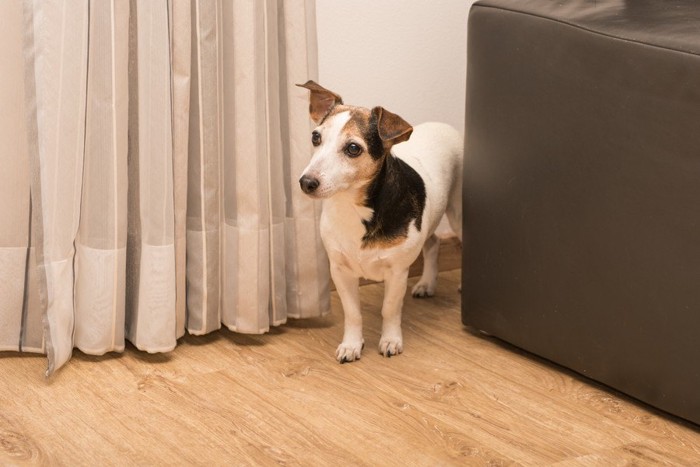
321, 100
392, 128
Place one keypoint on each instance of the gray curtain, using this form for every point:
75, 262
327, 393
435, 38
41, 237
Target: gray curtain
150, 152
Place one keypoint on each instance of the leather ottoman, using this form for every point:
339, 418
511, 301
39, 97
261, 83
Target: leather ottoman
582, 189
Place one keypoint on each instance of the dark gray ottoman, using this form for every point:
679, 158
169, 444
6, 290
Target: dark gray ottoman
582, 194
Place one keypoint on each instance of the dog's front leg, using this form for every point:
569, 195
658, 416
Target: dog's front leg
348, 289
391, 342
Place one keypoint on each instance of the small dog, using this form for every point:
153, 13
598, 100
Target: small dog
384, 195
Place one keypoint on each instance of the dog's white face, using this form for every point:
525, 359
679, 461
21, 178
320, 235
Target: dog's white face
343, 159
350, 144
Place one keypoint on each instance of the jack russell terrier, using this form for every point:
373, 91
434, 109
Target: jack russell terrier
384, 195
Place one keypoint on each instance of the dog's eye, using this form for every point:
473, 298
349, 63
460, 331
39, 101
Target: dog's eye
353, 150
315, 138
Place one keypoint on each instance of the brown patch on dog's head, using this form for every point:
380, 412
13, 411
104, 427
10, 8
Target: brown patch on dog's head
359, 130
321, 101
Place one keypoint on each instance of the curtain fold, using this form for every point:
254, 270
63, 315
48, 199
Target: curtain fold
100, 259
20, 320
203, 192
180, 24
152, 189
151, 313
308, 290
247, 194
56, 72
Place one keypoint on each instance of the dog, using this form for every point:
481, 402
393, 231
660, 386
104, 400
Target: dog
385, 187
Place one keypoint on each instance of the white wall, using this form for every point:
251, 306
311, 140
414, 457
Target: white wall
408, 56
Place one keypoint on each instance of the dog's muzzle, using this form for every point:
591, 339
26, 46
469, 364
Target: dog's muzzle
308, 184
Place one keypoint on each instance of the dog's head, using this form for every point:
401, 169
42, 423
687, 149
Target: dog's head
350, 143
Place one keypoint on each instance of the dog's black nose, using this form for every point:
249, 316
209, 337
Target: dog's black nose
308, 184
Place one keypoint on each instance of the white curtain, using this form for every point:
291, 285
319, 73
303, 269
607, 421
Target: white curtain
150, 153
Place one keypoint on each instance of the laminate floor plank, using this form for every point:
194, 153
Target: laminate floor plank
453, 397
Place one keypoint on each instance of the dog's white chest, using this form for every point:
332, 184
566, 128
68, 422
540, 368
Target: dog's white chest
342, 232
367, 264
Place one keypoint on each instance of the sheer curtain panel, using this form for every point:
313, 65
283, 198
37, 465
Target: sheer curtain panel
151, 150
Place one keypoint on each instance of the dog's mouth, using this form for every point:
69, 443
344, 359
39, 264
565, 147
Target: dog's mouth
313, 187
318, 194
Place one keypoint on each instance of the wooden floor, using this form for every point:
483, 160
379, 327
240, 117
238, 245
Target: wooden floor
452, 398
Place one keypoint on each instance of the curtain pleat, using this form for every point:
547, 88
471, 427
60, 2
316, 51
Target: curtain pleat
154, 190
246, 222
275, 164
307, 270
100, 263
56, 50
20, 317
180, 23
151, 320
205, 146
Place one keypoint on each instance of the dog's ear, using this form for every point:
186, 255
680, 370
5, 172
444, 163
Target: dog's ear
392, 128
321, 100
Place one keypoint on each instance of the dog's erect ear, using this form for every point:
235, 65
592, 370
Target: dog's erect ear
321, 100
392, 128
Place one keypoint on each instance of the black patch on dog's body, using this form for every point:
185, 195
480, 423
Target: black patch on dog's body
397, 197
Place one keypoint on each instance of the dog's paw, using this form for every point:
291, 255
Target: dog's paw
389, 346
349, 351
423, 289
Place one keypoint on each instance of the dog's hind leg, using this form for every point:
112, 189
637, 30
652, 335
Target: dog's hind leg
454, 207
426, 285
